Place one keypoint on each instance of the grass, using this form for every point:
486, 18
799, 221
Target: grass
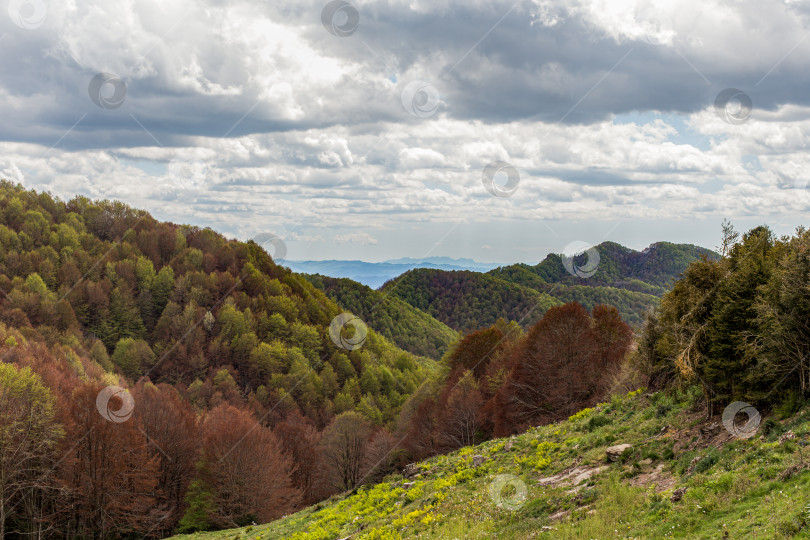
739, 489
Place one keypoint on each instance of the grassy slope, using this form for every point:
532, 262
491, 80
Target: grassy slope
734, 486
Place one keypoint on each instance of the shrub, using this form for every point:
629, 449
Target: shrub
771, 427
790, 405
598, 421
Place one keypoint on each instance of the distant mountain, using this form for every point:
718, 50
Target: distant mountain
457, 264
650, 271
406, 326
375, 275
630, 280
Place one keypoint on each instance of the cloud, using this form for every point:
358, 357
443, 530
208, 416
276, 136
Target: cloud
355, 238
248, 116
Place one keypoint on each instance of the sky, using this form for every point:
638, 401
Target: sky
373, 130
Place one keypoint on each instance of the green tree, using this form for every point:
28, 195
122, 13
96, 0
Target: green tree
162, 288
133, 357
200, 503
29, 434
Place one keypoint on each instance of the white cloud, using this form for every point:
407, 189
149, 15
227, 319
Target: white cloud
355, 238
250, 117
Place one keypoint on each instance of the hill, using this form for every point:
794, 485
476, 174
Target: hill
148, 367
404, 325
681, 476
650, 271
630, 280
467, 301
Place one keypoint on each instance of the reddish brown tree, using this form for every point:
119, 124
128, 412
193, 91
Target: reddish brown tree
344, 444
170, 428
476, 350
461, 417
382, 456
301, 441
245, 469
419, 427
108, 475
559, 367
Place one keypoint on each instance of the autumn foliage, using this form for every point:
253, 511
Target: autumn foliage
500, 382
157, 378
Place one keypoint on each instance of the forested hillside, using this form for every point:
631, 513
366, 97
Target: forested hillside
159, 378
712, 444
467, 301
651, 270
632, 281
180, 379
404, 325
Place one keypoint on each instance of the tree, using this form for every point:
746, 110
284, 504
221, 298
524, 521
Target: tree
170, 428
461, 417
133, 357
381, 456
29, 435
612, 340
560, 366
344, 444
245, 469
476, 349
200, 507
782, 344
109, 477
301, 441
730, 237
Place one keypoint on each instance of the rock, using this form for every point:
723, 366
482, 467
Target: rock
692, 464
478, 461
789, 436
586, 475
410, 470
677, 495
711, 430
572, 477
559, 515
663, 430
615, 452
509, 444
408, 485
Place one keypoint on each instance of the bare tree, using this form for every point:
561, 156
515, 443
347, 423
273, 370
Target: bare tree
344, 444
462, 418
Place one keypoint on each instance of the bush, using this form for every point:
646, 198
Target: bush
706, 463
598, 421
771, 427
790, 405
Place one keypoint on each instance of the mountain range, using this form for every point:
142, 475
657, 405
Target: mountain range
465, 300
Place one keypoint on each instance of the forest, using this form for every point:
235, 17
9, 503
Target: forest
160, 378
631, 281
404, 325
226, 356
